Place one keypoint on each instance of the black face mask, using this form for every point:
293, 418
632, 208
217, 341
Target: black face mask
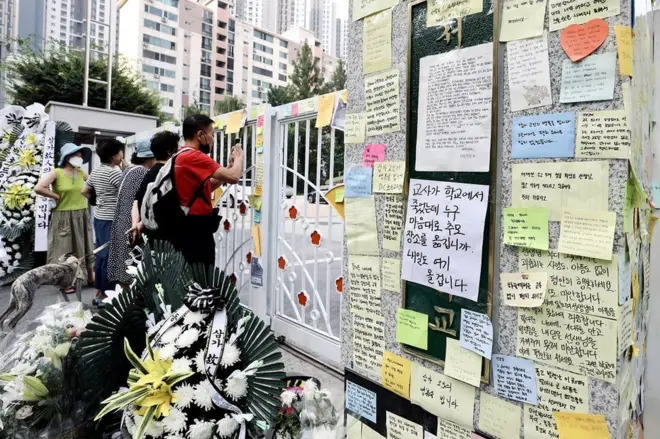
205, 147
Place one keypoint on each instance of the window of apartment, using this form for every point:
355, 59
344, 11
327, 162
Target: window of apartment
158, 56
284, 43
207, 43
205, 83
263, 72
159, 27
205, 70
160, 13
205, 97
263, 48
230, 76
283, 66
262, 59
167, 102
232, 25
146, 68
263, 36
173, 3
206, 56
221, 50
220, 64
222, 37
283, 55
222, 5
230, 63
282, 78
167, 88
207, 30
222, 24
218, 90
159, 42
230, 88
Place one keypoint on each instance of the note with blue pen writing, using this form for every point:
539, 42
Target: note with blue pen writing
357, 182
515, 378
545, 135
361, 401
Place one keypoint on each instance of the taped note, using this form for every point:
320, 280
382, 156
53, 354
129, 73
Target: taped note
395, 374
462, 364
444, 11
361, 401
357, 182
526, 290
476, 332
382, 104
360, 226
498, 417
624, 47
373, 153
368, 341
449, 430
603, 135
392, 222
581, 425
522, 19
592, 79
402, 428
544, 135
529, 69
515, 378
364, 282
412, 328
388, 177
377, 42
355, 128
391, 274
566, 12
626, 327
587, 233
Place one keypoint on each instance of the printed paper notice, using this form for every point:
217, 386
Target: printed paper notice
525, 290
377, 38
412, 328
603, 135
364, 282
441, 395
580, 425
567, 12
402, 428
392, 223
360, 226
443, 237
355, 128
388, 177
361, 401
526, 227
462, 364
545, 135
522, 19
556, 390
476, 332
624, 47
444, 11
449, 430
382, 103
453, 131
498, 417
592, 79
558, 186
395, 374
515, 378
368, 341
529, 71
391, 274
587, 233
362, 8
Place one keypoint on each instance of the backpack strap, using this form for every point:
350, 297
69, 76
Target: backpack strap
199, 193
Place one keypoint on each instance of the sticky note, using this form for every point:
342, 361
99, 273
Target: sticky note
476, 332
256, 239
581, 426
592, 79
498, 417
374, 152
526, 227
364, 282
234, 121
357, 182
368, 433
627, 102
326, 108
361, 401
562, 14
449, 430
402, 428
307, 106
368, 341
625, 278
524, 289
353, 428
545, 135
339, 195
515, 378
522, 19
382, 103
603, 134
392, 222
377, 42
587, 233
529, 68
580, 41
388, 177
412, 328
362, 8
462, 364
443, 12
355, 127
626, 328
391, 274
395, 374
360, 226
624, 47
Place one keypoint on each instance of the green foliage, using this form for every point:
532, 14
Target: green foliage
338, 80
306, 79
227, 105
281, 95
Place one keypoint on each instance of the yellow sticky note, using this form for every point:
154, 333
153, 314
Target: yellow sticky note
217, 194
353, 428
461, 363
364, 282
602, 134
412, 328
624, 48
326, 108
444, 11
388, 177
587, 233
256, 238
360, 226
526, 227
339, 195
362, 8
498, 417
522, 19
402, 428
449, 430
565, 13
432, 390
382, 103
234, 122
392, 222
355, 126
581, 426
391, 274
368, 341
369, 433
377, 39
635, 288
524, 289
335, 198
395, 374
219, 122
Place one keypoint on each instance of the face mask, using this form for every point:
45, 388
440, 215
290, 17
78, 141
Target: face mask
205, 147
76, 162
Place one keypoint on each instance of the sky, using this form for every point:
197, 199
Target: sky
342, 9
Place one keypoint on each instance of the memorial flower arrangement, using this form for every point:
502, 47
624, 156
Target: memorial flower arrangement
308, 413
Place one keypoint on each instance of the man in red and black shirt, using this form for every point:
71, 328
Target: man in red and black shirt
196, 175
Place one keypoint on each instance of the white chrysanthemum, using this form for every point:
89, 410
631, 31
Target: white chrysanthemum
188, 337
155, 429
130, 424
230, 355
199, 361
193, 318
200, 430
168, 351
182, 365
175, 421
237, 387
287, 398
184, 394
171, 335
174, 436
15, 246
24, 412
226, 427
137, 419
204, 392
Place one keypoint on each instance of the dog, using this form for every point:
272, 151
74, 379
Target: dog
64, 274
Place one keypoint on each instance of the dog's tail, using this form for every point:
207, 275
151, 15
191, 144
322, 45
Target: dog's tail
11, 308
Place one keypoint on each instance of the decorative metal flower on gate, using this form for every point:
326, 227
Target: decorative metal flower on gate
248, 257
303, 299
226, 225
293, 213
339, 284
242, 208
282, 263
315, 238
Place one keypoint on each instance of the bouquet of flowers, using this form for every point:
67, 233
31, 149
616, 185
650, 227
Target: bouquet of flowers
308, 413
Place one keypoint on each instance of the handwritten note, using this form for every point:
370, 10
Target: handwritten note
360, 226
373, 153
326, 107
525, 290
592, 79
362, 8
377, 38
449, 430
577, 342
234, 122
368, 341
382, 105
526, 227
392, 223
476, 333
402, 428
627, 102
391, 274
545, 135
444, 236
529, 69
462, 364
522, 19
453, 131
498, 417
353, 428
364, 282
556, 390
355, 128
625, 278
626, 327
357, 182
388, 177
395, 374
444, 11
580, 425
624, 47
412, 328
603, 134
515, 378
580, 41
361, 401
567, 12
587, 233
442, 396
559, 186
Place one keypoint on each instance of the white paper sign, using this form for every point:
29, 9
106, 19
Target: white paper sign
443, 236
476, 333
529, 73
42, 211
455, 106
591, 79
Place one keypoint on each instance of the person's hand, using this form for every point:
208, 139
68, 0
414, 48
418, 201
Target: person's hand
236, 152
135, 232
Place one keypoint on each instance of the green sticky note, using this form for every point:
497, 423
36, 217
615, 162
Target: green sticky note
627, 208
339, 195
526, 227
412, 328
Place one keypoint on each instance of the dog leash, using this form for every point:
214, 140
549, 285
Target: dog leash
95, 251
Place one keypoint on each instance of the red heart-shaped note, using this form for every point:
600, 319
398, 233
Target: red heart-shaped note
579, 41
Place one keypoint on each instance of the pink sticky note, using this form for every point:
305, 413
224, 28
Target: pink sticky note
260, 121
373, 153
294, 109
476, 436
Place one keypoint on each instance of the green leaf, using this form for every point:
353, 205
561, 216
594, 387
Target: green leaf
133, 358
144, 425
172, 379
121, 400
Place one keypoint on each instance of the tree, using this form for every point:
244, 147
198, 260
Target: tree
338, 80
58, 75
227, 105
281, 95
306, 78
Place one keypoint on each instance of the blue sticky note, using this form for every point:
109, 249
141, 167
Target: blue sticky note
257, 216
545, 135
357, 182
361, 401
654, 187
515, 378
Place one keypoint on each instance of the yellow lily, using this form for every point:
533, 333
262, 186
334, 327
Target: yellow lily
27, 158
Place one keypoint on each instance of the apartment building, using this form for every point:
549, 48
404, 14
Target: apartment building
341, 28
292, 13
323, 18
260, 13
8, 32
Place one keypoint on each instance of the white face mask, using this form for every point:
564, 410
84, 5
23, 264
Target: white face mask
76, 161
